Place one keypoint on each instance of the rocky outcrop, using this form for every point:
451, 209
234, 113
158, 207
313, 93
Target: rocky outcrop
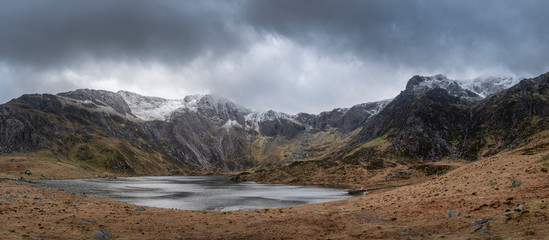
22, 130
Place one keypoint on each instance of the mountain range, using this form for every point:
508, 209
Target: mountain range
126, 133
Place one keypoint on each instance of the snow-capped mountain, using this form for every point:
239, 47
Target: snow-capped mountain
418, 84
468, 89
229, 114
156, 108
489, 85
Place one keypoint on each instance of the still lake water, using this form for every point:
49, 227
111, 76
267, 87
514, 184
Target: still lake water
198, 192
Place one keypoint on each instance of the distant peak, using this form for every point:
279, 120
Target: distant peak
419, 84
426, 81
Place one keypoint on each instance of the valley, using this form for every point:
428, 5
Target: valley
478, 190
432, 161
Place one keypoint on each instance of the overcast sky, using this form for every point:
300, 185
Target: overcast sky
291, 56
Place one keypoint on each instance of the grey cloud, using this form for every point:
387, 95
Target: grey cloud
59, 32
333, 53
435, 35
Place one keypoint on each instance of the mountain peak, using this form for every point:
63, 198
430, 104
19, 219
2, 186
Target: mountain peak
417, 82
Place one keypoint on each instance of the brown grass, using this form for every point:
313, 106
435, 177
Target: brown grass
476, 190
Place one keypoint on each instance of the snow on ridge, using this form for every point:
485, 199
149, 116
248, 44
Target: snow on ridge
151, 108
429, 82
482, 86
486, 86
156, 108
253, 119
379, 106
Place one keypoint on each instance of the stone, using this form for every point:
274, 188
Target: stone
507, 213
102, 234
519, 208
320, 213
452, 213
515, 184
482, 229
140, 209
28, 172
482, 221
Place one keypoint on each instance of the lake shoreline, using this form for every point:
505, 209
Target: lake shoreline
197, 192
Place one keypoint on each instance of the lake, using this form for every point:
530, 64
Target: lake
198, 192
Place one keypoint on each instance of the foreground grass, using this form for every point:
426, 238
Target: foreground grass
476, 191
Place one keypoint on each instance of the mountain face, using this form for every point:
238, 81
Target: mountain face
93, 127
422, 123
509, 118
433, 117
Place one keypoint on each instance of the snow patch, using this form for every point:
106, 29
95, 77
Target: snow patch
489, 85
231, 124
151, 108
379, 106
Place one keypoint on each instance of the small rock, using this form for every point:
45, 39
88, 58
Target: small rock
515, 184
519, 208
440, 217
482, 221
321, 213
28, 172
102, 234
452, 213
140, 209
507, 213
482, 229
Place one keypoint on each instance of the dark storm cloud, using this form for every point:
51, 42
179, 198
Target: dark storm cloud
438, 34
306, 55
55, 33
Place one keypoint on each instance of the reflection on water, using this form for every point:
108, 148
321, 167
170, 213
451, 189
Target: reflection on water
198, 193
